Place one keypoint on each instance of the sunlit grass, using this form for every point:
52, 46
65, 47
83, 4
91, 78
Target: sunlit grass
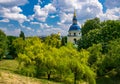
7, 75
10, 65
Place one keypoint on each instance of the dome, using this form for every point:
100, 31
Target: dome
74, 27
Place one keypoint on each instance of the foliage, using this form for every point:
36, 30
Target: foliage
22, 35
90, 25
53, 40
49, 61
11, 49
64, 41
112, 59
3, 44
19, 45
109, 30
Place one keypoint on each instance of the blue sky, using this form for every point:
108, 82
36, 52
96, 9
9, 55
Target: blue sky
44, 17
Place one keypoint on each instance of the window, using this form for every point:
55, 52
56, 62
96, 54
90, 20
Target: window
74, 34
75, 41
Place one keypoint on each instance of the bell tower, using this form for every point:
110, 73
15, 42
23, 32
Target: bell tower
74, 32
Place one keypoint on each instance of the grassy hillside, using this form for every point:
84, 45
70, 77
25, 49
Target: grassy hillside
8, 75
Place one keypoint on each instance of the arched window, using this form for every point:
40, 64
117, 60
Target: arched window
74, 34
75, 41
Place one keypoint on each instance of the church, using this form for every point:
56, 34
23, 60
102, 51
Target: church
74, 32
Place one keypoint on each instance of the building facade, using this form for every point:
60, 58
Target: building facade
74, 32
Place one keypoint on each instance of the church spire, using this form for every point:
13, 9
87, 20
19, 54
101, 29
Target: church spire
74, 12
74, 18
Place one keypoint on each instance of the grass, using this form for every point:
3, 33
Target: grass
8, 75
9, 65
107, 80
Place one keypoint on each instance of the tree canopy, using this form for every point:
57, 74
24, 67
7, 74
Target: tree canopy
3, 44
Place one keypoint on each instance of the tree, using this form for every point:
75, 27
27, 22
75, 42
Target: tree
109, 30
53, 40
64, 41
19, 45
77, 63
50, 61
22, 35
90, 25
3, 44
31, 61
112, 59
11, 49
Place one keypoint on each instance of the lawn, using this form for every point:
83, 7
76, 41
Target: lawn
8, 75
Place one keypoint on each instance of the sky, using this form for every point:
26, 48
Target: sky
44, 17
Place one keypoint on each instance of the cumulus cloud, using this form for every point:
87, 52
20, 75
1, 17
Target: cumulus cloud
85, 9
4, 20
112, 14
14, 32
112, 3
50, 31
42, 13
9, 3
42, 25
9, 10
13, 13
65, 18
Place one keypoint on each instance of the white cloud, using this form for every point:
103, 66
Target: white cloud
10, 3
85, 9
65, 18
9, 10
14, 32
112, 3
26, 28
112, 14
34, 23
52, 16
4, 20
13, 13
44, 26
50, 31
42, 13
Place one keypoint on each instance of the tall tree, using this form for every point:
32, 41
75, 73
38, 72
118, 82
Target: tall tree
11, 49
22, 35
3, 44
110, 30
64, 41
53, 40
90, 25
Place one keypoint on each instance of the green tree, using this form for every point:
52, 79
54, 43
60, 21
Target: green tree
79, 67
112, 59
53, 40
22, 35
3, 44
90, 25
50, 61
33, 56
19, 45
77, 63
11, 49
64, 41
110, 30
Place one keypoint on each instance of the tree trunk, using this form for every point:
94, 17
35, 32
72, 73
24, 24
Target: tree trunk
49, 74
75, 78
